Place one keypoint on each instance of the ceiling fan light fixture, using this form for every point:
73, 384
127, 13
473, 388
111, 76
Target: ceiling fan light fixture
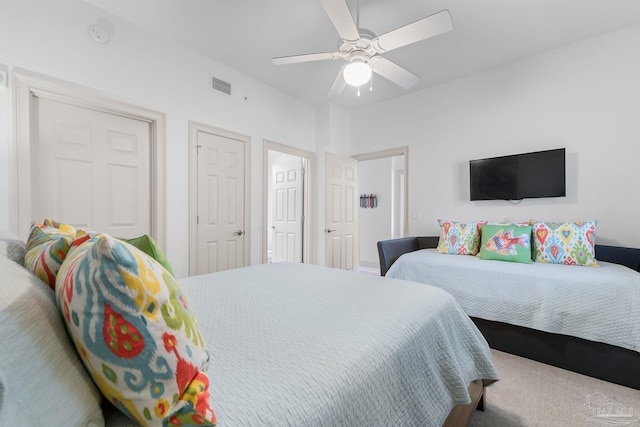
357, 73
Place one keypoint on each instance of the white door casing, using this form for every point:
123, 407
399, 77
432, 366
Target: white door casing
92, 169
218, 200
28, 92
287, 192
341, 216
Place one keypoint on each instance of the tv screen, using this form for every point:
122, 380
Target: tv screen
519, 176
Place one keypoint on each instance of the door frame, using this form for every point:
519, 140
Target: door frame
194, 128
392, 152
26, 87
307, 201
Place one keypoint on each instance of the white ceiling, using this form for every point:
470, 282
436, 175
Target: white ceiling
246, 34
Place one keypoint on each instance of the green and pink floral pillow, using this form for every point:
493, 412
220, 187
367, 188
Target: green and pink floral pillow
570, 243
135, 333
459, 238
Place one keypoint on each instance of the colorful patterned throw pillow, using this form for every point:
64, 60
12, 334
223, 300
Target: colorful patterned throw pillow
64, 228
506, 243
570, 243
519, 224
135, 333
47, 247
459, 238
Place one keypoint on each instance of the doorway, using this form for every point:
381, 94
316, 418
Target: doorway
383, 214
287, 215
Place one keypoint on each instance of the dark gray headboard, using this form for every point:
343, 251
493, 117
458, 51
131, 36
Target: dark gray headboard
390, 250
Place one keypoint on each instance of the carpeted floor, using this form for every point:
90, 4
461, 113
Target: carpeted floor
534, 394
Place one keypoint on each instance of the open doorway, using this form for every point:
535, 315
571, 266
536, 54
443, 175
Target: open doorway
382, 215
286, 212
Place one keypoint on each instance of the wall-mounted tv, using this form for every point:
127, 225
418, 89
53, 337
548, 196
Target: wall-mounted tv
519, 176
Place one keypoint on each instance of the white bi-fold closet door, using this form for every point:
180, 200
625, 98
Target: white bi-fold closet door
91, 169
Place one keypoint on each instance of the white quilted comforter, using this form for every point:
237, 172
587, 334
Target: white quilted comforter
597, 304
300, 345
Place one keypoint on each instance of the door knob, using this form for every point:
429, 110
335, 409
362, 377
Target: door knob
328, 230
238, 233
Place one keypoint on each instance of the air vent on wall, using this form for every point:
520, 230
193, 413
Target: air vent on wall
220, 85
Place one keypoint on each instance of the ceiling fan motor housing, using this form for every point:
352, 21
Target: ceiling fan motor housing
362, 49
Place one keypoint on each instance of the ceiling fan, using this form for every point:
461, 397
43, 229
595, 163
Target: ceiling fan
361, 48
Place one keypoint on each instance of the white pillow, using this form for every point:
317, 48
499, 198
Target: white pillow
12, 247
42, 380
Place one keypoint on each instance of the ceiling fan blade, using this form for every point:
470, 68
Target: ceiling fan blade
304, 58
338, 85
393, 72
341, 18
424, 28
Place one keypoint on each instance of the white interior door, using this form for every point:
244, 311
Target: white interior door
286, 188
220, 235
341, 211
92, 169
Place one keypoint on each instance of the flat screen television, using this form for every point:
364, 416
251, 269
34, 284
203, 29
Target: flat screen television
519, 176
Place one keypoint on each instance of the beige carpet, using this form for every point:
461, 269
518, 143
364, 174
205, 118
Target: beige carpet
534, 394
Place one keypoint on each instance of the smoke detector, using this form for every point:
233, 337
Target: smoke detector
99, 34
102, 30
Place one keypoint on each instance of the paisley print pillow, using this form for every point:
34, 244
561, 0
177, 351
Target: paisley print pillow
570, 243
459, 238
47, 247
135, 333
65, 228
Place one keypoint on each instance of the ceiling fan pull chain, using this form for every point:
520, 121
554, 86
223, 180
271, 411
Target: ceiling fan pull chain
371, 84
358, 90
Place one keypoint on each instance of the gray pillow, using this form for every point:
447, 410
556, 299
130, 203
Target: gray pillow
42, 379
12, 247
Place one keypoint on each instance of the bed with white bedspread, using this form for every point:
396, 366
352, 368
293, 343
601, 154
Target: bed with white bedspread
597, 304
301, 345
583, 319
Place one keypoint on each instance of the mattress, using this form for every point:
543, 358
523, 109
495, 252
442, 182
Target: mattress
597, 304
300, 345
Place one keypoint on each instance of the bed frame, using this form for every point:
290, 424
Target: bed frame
460, 415
610, 363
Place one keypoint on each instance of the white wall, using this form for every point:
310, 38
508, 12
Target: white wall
585, 97
51, 39
374, 177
